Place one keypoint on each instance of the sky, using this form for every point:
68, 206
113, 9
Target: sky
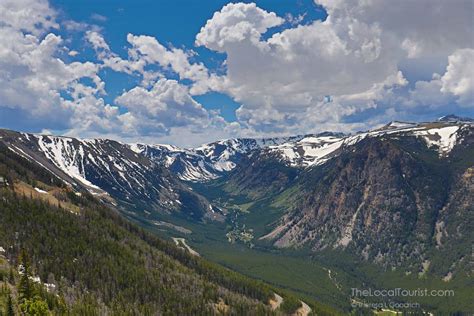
190, 72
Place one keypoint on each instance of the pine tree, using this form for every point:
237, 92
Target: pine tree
25, 288
9, 311
11, 277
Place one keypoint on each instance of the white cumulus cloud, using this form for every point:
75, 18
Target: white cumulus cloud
344, 73
354, 56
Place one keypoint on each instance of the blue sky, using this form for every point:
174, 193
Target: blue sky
174, 23
188, 72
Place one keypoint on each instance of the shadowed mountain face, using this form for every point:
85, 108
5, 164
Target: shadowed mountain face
262, 174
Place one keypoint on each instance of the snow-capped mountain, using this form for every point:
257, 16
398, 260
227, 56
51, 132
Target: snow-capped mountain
109, 169
270, 170
455, 118
315, 150
400, 195
209, 161
387, 197
146, 176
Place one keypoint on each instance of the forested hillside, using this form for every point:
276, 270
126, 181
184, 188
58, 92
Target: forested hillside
64, 252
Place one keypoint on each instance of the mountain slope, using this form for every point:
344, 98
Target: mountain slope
389, 199
95, 262
110, 169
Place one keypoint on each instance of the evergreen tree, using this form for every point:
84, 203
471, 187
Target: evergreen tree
9, 311
11, 277
25, 288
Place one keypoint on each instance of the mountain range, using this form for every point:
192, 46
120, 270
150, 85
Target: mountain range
400, 196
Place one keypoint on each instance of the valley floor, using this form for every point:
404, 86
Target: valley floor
321, 280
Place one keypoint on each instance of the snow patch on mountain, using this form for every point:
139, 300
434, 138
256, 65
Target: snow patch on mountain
443, 138
60, 151
398, 125
40, 191
309, 151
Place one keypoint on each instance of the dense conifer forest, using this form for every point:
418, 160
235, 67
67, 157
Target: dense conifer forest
66, 253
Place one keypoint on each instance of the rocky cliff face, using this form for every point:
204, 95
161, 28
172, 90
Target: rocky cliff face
453, 236
390, 199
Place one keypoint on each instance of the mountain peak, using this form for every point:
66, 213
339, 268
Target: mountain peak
455, 118
398, 124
